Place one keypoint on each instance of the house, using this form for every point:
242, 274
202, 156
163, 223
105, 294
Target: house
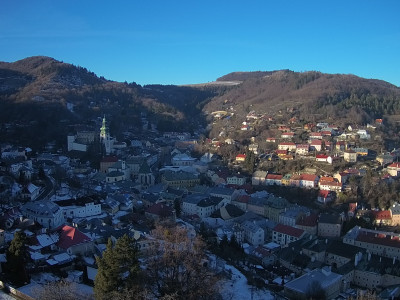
107, 162
382, 217
315, 135
182, 160
302, 149
207, 206
330, 184
240, 157
385, 159
74, 241
325, 196
259, 177
309, 223
46, 213
329, 225
273, 179
323, 158
395, 211
30, 192
340, 145
253, 233
236, 179
377, 242
316, 145
160, 211
287, 146
253, 148
284, 235
179, 179
308, 180
271, 140
394, 169
329, 282
287, 135
361, 151
350, 156
290, 215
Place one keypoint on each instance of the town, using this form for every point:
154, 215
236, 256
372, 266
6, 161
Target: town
289, 205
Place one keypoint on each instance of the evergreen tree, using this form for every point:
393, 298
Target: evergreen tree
117, 269
16, 259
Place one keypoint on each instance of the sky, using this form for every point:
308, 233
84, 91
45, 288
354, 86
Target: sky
187, 42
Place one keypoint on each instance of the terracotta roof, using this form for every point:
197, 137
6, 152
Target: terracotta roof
382, 215
324, 193
241, 156
289, 230
274, 176
70, 236
394, 165
322, 156
308, 177
316, 142
378, 239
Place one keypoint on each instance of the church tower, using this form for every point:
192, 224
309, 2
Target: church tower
105, 137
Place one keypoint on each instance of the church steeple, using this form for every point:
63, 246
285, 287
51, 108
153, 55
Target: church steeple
103, 129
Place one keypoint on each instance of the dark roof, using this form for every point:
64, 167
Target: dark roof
160, 210
329, 218
345, 250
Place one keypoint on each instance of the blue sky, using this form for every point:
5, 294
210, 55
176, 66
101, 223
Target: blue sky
180, 42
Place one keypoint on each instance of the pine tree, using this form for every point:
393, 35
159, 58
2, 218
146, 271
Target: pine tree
16, 258
117, 269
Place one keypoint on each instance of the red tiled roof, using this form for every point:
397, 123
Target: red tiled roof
287, 144
274, 176
315, 134
289, 230
323, 193
71, 236
382, 215
378, 239
394, 165
316, 142
322, 156
327, 179
308, 177
241, 156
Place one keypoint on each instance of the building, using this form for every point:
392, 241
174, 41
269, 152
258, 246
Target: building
329, 225
350, 156
259, 177
45, 213
302, 149
73, 241
284, 235
394, 169
395, 211
253, 233
180, 179
240, 157
183, 160
273, 179
301, 287
287, 146
377, 242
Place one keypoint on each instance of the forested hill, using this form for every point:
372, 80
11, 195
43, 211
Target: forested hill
309, 93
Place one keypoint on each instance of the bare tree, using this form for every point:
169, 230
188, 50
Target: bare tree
60, 290
177, 267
